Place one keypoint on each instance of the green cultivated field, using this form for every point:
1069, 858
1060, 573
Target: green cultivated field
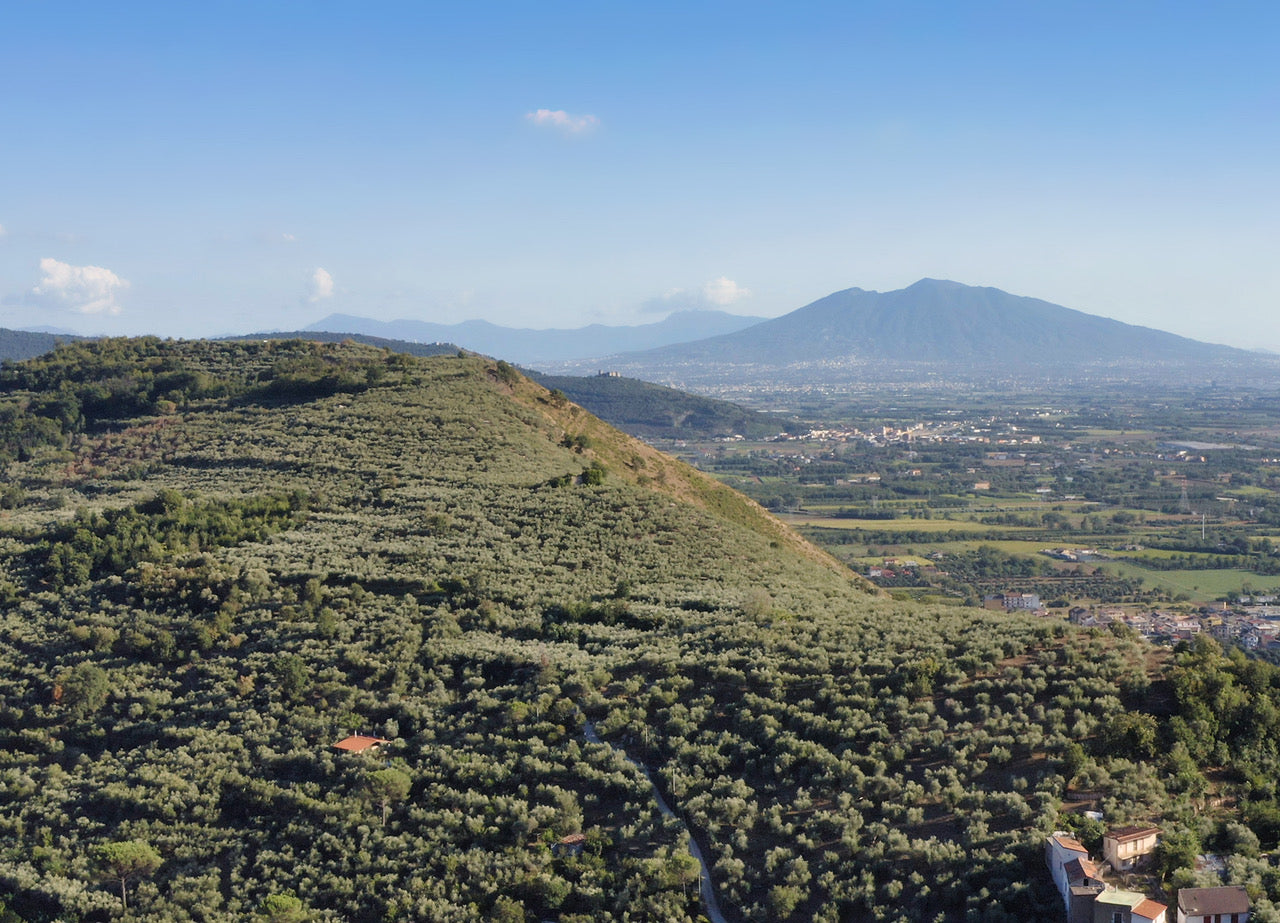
1196, 584
890, 525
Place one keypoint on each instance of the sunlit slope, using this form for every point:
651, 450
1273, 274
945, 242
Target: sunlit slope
435, 469
461, 469
637, 463
218, 560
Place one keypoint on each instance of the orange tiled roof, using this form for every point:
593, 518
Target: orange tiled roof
1082, 867
1150, 909
357, 743
1070, 843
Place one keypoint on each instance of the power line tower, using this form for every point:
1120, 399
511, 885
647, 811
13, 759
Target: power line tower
1184, 503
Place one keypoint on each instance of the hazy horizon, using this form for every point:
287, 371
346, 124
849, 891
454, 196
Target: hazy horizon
316, 324
197, 171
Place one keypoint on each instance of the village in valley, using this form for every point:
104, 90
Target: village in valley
1160, 516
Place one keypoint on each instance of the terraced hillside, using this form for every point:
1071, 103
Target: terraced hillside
219, 560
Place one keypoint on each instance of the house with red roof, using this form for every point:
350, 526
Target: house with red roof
358, 743
1061, 850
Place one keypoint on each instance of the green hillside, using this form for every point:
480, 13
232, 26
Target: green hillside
321, 336
637, 407
219, 559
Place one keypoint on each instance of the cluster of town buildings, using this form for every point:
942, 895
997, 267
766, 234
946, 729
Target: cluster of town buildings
1251, 623
1087, 897
1252, 627
947, 431
880, 435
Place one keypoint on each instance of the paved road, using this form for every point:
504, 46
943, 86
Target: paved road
709, 902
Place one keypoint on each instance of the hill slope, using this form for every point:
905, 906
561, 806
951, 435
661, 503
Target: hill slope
219, 559
278, 543
327, 336
636, 407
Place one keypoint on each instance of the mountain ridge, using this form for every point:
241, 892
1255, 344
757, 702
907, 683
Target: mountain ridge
935, 320
932, 329
27, 344
528, 345
422, 350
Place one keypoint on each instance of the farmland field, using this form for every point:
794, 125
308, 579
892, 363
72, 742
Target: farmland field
1172, 485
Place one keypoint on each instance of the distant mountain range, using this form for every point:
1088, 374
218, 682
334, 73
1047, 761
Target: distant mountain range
932, 328
931, 333
936, 320
529, 346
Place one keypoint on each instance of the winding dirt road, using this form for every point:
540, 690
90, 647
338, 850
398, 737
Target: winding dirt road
710, 905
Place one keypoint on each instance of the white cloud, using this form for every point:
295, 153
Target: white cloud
673, 299
724, 291
2, 231
717, 293
86, 289
559, 119
288, 238
321, 285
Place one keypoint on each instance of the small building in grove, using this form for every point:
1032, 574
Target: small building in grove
358, 743
1128, 847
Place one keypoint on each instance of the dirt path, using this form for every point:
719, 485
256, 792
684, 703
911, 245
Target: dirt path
709, 902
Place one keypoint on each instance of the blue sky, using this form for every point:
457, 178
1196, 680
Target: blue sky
198, 169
